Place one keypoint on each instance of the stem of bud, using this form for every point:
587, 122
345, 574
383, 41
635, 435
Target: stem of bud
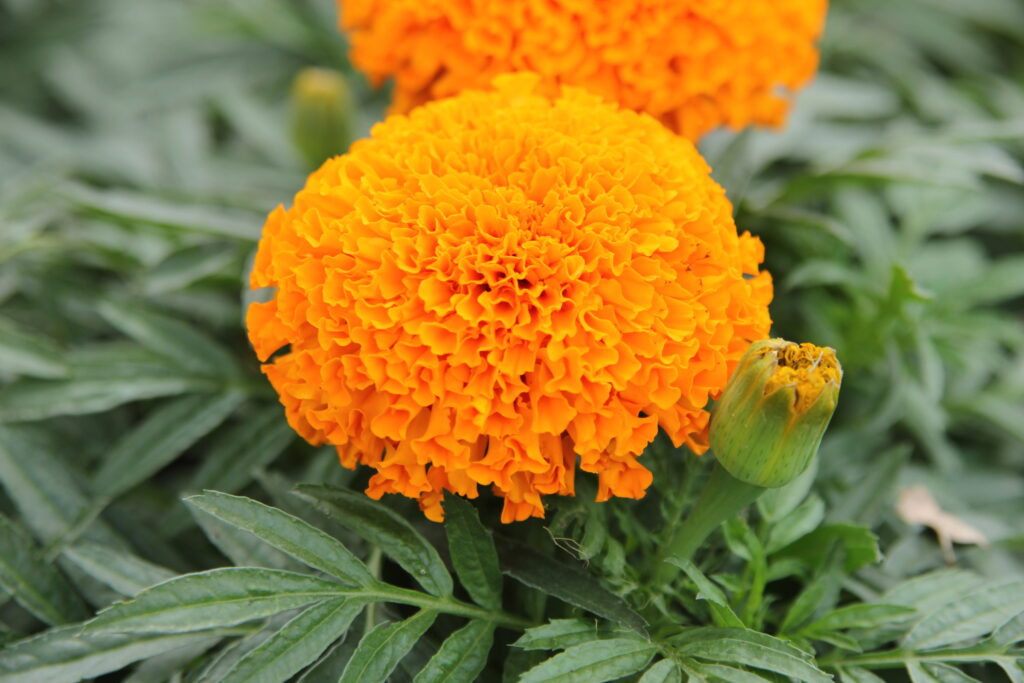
722, 497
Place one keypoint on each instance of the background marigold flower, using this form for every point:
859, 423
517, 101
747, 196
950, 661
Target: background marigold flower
502, 281
693, 64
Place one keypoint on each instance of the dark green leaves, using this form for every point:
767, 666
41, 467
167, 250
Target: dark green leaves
593, 662
565, 582
37, 585
377, 524
164, 435
473, 553
297, 643
67, 655
750, 648
286, 533
461, 657
23, 352
382, 648
220, 597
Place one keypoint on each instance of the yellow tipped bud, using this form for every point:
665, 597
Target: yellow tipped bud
321, 114
768, 424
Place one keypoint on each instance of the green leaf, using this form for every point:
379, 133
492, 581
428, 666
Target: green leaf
380, 650
377, 524
44, 491
593, 662
859, 543
472, 551
665, 671
937, 672
37, 585
462, 656
565, 582
860, 616
729, 674
558, 634
858, 675
774, 504
33, 399
124, 572
721, 610
970, 616
797, 524
750, 648
298, 643
67, 655
241, 547
211, 599
164, 435
187, 267
240, 449
27, 353
286, 533
135, 207
171, 338
930, 591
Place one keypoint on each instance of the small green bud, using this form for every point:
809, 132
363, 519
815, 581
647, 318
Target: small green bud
321, 114
768, 423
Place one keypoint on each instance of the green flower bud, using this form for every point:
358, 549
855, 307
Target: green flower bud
321, 114
768, 423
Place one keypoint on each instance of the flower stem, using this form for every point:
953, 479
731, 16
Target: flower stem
722, 497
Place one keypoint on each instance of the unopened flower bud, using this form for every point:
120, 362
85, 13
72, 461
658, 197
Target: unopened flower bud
321, 114
769, 421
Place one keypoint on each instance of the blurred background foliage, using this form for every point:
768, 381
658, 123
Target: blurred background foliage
143, 142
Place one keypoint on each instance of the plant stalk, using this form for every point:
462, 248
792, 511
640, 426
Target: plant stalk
722, 497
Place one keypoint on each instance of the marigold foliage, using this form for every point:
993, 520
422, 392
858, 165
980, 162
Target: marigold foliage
693, 64
502, 281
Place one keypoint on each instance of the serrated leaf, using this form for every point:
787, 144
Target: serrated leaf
124, 572
380, 650
298, 643
241, 547
937, 672
861, 616
722, 611
558, 634
565, 582
286, 533
173, 339
473, 553
23, 352
665, 671
461, 657
750, 648
797, 524
211, 599
164, 435
67, 655
728, 674
377, 524
36, 584
932, 590
858, 675
970, 616
594, 662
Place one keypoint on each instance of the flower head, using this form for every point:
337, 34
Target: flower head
773, 413
500, 282
693, 64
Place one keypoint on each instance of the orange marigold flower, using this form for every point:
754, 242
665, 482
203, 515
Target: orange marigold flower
502, 281
693, 64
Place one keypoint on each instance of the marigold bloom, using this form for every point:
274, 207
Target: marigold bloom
502, 281
693, 64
